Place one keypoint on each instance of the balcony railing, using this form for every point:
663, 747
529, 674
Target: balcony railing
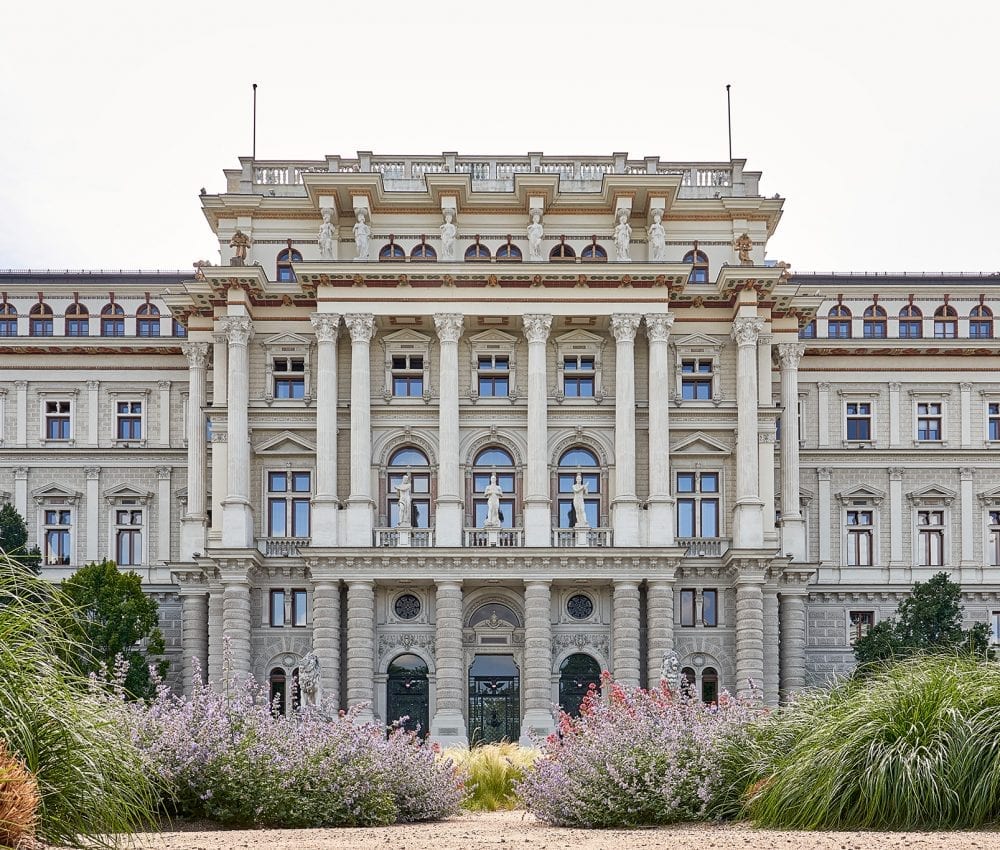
502, 537
281, 547
703, 547
563, 538
403, 537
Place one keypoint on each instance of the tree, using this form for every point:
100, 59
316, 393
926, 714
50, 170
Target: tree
115, 619
928, 620
14, 539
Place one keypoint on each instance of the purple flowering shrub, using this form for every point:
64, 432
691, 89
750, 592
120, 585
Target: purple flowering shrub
633, 758
230, 759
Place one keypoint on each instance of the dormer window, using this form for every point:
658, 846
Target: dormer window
477, 253
391, 252
283, 268
77, 320
423, 252
839, 323
699, 266
594, 253
8, 319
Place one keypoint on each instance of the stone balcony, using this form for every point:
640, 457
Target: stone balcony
703, 547
281, 547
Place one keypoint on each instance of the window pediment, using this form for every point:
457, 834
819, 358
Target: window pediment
696, 341
286, 443
126, 491
991, 497
861, 494
700, 444
931, 495
52, 492
287, 339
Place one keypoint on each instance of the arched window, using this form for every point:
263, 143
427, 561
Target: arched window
687, 682
77, 320
492, 612
699, 263
808, 330
509, 253
112, 320
709, 685
279, 683
582, 462
477, 253
839, 324
489, 462
407, 693
594, 253
284, 265
945, 322
562, 253
875, 322
423, 252
911, 322
391, 251
411, 464
981, 322
8, 319
40, 320
147, 320
579, 674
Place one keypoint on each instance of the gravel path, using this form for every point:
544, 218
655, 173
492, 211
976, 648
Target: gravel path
517, 831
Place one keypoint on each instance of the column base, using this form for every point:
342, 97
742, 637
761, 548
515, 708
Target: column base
450, 513
360, 522
793, 538
660, 521
625, 521
536, 725
364, 716
237, 524
194, 530
537, 523
448, 729
324, 521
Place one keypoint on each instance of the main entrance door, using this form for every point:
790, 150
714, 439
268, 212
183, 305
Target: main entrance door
494, 699
407, 693
576, 675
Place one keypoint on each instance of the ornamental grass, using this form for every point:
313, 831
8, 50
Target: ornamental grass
19, 801
491, 773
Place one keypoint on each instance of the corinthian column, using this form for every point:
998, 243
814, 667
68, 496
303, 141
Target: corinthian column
195, 520
625, 507
793, 531
324, 503
360, 505
448, 724
449, 502
537, 662
237, 520
537, 521
660, 514
748, 519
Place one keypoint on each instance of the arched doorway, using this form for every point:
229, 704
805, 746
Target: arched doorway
281, 683
709, 685
576, 676
407, 693
494, 699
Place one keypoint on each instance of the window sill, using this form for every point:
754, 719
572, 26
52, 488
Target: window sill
860, 444
48, 442
130, 444
941, 444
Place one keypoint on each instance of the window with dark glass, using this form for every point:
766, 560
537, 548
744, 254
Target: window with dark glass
945, 322
687, 607
709, 685
277, 608
288, 497
562, 252
993, 420
493, 375
993, 542
112, 320
57, 420
407, 606
699, 266
862, 622
489, 462
289, 377
696, 379
57, 537
697, 504
911, 322
413, 462
477, 253
582, 461
929, 421
407, 375
981, 322
283, 266
128, 537
299, 608
423, 252
930, 538
874, 322
839, 323
8, 319
860, 531
578, 376
808, 330
710, 607
40, 320
509, 253
594, 253
392, 251
579, 606
177, 329
147, 320
77, 320
128, 420
859, 420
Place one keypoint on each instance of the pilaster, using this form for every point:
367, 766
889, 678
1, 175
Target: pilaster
659, 628
625, 507
793, 641
326, 638
793, 528
660, 504
450, 507
195, 520
749, 630
324, 503
194, 636
237, 522
93, 505
537, 518
236, 624
360, 504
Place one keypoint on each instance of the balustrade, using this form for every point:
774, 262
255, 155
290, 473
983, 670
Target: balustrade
563, 538
281, 547
703, 547
501, 537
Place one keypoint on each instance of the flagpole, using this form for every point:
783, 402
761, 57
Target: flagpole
254, 151
729, 116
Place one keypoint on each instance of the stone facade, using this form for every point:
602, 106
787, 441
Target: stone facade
766, 461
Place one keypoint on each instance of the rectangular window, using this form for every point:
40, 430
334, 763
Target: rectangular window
277, 608
860, 534
687, 607
696, 380
591, 504
480, 481
929, 421
993, 422
697, 504
579, 375
147, 326
808, 330
57, 536
289, 377
838, 328
980, 328
995, 627
128, 537
710, 607
859, 420
78, 327
114, 326
299, 613
993, 543
930, 538
57, 420
862, 622
945, 329
288, 499
128, 420
494, 376
40, 327
408, 375
911, 328
8, 326
178, 329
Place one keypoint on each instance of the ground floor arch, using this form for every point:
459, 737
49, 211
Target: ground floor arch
494, 699
578, 673
407, 696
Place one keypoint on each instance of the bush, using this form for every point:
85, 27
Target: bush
18, 801
915, 746
634, 758
491, 773
230, 759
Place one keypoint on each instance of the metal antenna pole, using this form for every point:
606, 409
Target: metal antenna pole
729, 115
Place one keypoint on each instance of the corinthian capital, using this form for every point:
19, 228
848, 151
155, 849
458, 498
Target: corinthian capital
658, 327
537, 326
361, 326
449, 326
196, 354
624, 326
325, 326
790, 353
238, 329
746, 330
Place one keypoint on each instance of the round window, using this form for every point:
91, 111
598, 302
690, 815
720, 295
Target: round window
579, 606
407, 606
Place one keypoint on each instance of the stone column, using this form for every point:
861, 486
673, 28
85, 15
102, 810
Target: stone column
749, 631
625, 507
824, 514
765, 396
448, 724
324, 503
748, 518
164, 429
965, 405
21, 490
21, 425
966, 476
215, 641
793, 641
326, 637
660, 513
894, 441
93, 495
220, 369
896, 525
537, 517
793, 527
164, 503
93, 414
538, 720
823, 414
450, 508
237, 519
360, 505
771, 643
361, 648
195, 520
767, 469
625, 633
194, 635
659, 627
236, 624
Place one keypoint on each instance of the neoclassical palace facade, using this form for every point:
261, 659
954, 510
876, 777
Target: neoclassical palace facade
447, 436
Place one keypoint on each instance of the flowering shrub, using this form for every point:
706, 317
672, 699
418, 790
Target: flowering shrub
632, 758
230, 759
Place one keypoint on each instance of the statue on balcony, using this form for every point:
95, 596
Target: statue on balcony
361, 233
493, 492
657, 238
448, 231
744, 245
579, 503
309, 679
241, 242
535, 233
326, 237
623, 236
404, 502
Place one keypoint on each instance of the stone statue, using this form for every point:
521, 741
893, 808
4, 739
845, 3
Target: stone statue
326, 237
361, 233
670, 670
404, 502
492, 492
744, 245
241, 242
623, 236
448, 231
309, 679
535, 233
657, 239
579, 505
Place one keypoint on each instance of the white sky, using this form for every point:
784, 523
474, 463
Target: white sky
879, 121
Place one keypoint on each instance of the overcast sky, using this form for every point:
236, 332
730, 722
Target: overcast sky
878, 121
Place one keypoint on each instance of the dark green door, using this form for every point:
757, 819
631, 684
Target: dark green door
494, 700
576, 676
407, 693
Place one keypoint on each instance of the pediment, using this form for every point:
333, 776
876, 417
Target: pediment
288, 339
697, 341
492, 337
286, 443
405, 336
579, 337
932, 493
700, 444
861, 492
990, 496
54, 491
126, 491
